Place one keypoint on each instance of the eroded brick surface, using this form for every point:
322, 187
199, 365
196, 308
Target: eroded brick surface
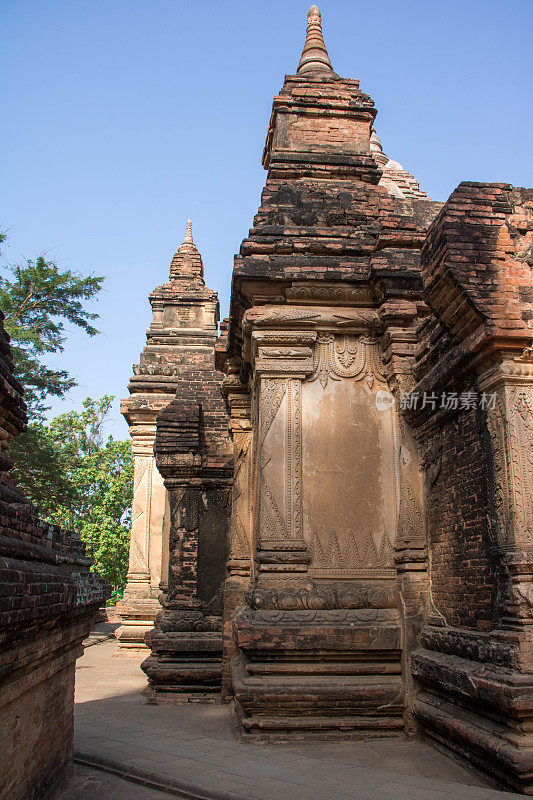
48, 602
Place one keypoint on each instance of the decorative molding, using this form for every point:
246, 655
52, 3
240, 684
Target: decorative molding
155, 369
378, 618
346, 557
288, 317
345, 356
281, 351
284, 360
328, 293
484, 647
345, 596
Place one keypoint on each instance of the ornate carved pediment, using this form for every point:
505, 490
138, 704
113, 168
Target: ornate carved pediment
338, 357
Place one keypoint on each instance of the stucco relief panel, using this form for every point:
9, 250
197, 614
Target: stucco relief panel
140, 514
350, 493
272, 460
521, 448
280, 460
241, 501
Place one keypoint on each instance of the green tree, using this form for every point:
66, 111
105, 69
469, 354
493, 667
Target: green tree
97, 475
73, 476
37, 299
41, 468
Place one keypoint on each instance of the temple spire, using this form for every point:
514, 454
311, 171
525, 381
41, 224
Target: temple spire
315, 57
187, 262
188, 242
188, 234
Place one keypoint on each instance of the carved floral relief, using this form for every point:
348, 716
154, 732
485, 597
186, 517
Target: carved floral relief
338, 357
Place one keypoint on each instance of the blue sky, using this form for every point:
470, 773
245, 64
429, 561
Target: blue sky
121, 118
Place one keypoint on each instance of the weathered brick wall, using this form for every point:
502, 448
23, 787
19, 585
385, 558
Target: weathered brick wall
476, 264
197, 418
476, 648
48, 602
38, 729
477, 278
462, 573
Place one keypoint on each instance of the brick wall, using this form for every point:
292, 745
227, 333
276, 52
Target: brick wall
463, 582
476, 647
476, 270
48, 603
37, 736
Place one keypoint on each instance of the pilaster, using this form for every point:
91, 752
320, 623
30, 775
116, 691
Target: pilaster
510, 424
314, 588
149, 527
237, 389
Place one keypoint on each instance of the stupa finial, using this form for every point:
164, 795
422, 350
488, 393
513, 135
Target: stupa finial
187, 262
188, 234
315, 57
188, 246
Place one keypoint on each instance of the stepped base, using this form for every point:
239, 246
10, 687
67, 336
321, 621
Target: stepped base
482, 712
338, 675
340, 728
137, 619
183, 663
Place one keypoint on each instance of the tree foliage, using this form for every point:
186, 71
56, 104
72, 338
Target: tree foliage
73, 474
38, 298
82, 481
41, 468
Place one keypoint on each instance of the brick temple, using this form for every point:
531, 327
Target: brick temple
333, 517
